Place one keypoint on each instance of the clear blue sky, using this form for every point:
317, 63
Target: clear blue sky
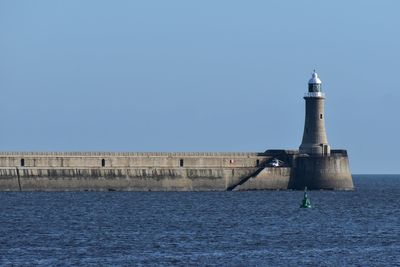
199, 76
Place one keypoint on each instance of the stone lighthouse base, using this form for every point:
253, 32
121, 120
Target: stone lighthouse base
323, 172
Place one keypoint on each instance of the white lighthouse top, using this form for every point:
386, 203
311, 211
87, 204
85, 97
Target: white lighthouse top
314, 79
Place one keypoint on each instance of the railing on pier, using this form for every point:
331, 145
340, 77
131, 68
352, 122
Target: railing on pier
315, 94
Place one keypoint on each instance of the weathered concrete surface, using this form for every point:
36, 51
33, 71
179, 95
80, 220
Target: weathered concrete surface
171, 171
9, 180
120, 179
327, 172
125, 171
129, 159
269, 178
314, 136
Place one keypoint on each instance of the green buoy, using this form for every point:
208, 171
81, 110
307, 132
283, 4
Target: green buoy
306, 202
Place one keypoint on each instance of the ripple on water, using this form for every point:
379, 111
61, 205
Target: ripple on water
208, 228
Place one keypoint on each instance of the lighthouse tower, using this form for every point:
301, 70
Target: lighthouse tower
315, 141
316, 165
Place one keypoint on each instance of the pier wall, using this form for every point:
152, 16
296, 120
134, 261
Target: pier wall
121, 179
271, 178
126, 160
97, 171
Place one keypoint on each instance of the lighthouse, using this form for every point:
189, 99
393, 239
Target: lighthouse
318, 166
315, 141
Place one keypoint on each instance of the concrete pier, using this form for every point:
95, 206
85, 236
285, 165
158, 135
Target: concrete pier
126, 171
172, 171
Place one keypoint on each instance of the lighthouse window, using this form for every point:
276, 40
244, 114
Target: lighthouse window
103, 163
181, 162
22, 162
320, 116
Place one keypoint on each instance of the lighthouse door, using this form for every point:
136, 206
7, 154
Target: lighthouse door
325, 150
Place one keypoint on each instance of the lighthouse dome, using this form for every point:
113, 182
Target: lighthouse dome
314, 79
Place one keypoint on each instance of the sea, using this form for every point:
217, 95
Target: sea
252, 228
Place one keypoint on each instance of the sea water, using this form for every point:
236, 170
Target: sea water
254, 228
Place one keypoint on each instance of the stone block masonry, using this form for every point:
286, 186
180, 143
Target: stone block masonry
107, 171
101, 171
